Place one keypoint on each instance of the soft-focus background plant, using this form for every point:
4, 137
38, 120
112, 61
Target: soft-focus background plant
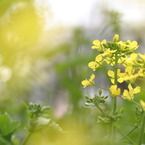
43, 57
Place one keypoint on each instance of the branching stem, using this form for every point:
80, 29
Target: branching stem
142, 130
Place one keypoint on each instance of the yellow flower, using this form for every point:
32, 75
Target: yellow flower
131, 60
108, 52
128, 46
129, 94
129, 75
98, 58
99, 45
129, 70
142, 103
115, 91
122, 45
111, 74
93, 65
89, 82
115, 38
142, 56
132, 45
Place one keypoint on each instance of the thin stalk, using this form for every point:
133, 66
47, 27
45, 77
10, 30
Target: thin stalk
28, 136
100, 109
115, 97
26, 139
142, 130
115, 82
125, 136
101, 87
131, 131
114, 104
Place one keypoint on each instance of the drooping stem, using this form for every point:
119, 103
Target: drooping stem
142, 130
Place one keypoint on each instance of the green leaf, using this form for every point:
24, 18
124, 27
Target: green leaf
4, 141
7, 124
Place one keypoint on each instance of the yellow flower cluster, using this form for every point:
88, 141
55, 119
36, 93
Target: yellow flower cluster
124, 63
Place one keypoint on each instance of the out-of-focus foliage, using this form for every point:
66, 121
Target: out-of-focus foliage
48, 66
20, 30
7, 128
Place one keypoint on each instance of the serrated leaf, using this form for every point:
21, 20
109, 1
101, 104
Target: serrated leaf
7, 124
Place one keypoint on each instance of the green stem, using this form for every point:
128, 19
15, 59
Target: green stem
114, 104
26, 139
115, 83
142, 130
100, 109
125, 136
115, 97
135, 102
136, 126
100, 87
28, 136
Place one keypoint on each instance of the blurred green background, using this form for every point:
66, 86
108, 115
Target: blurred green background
44, 57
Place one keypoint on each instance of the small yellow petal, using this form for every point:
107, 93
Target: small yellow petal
129, 94
93, 65
89, 82
85, 83
96, 42
134, 44
120, 80
137, 90
103, 42
126, 95
130, 87
95, 47
115, 91
142, 104
110, 73
92, 78
129, 69
98, 58
112, 81
116, 38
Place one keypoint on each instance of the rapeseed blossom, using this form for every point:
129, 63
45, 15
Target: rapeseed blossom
99, 45
129, 94
111, 74
88, 82
124, 65
115, 91
115, 38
